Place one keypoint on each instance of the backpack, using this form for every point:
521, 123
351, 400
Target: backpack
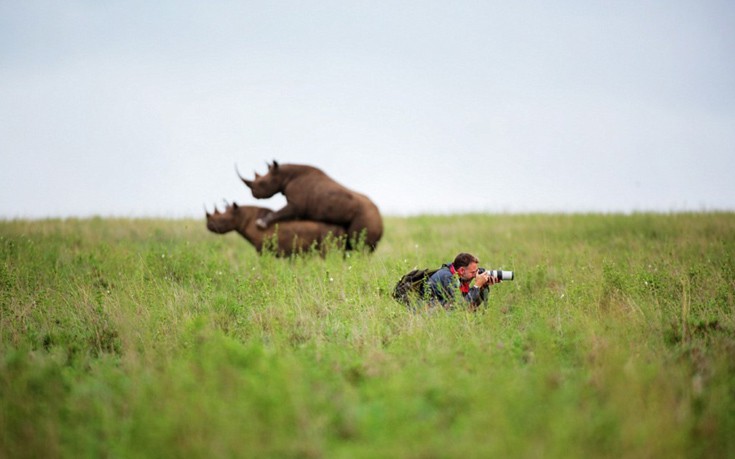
412, 285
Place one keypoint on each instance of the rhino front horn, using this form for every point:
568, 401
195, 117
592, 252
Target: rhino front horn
247, 182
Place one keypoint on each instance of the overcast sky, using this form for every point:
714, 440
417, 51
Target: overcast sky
142, 108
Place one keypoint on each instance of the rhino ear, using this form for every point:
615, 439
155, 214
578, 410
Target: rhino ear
235, 206
275, 164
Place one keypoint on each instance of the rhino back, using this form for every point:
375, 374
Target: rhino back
318, 197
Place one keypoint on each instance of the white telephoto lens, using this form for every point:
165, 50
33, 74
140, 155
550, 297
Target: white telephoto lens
502, 275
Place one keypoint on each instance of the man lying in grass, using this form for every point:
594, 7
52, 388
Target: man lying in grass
450, 285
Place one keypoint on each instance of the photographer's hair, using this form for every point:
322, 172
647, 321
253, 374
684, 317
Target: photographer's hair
463, 260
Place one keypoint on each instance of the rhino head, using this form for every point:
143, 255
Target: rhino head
265, 186
223, 222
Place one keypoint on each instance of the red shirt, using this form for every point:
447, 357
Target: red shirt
464, 286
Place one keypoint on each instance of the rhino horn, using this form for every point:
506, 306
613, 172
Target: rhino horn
247, 182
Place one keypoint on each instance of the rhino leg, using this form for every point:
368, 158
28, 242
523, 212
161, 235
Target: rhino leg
286, 213
369, 228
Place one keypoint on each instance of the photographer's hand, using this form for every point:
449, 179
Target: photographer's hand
485, 280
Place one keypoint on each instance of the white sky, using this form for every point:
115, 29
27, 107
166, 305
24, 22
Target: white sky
142, 108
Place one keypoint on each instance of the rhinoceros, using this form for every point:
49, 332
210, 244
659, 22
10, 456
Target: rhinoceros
289, 238
313, 195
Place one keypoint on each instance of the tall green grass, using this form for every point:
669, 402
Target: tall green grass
156, 338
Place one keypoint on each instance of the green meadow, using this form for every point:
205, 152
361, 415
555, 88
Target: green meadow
155, 338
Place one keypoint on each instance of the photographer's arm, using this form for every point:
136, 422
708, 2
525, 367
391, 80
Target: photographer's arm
476, 296
481, 290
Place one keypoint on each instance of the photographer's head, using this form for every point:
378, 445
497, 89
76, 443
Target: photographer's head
465, 264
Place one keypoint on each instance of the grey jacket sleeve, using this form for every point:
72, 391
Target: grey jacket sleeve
477, 296
441, 286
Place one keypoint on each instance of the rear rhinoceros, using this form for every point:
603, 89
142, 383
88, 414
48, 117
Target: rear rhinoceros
289, 238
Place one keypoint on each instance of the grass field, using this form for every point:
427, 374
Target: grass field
156, 338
